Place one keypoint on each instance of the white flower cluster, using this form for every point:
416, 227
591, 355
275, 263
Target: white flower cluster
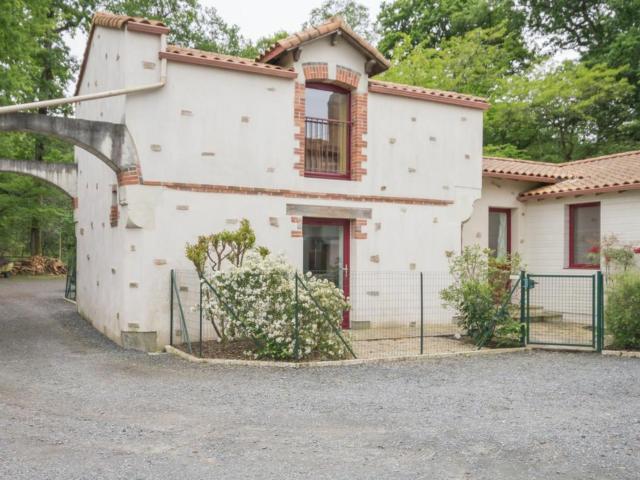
257, 301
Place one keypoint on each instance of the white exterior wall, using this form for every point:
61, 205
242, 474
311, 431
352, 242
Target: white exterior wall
222, 127
497, 193
540, 234
100, 262
547, 228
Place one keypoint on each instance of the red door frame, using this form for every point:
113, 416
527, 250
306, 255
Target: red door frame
572, 225
346, 243
508, 212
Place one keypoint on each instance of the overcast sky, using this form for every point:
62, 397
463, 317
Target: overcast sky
256, 18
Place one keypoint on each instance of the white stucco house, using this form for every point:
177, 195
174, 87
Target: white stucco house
338, 171
333, 168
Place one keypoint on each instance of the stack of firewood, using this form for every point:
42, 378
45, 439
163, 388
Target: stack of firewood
39, 265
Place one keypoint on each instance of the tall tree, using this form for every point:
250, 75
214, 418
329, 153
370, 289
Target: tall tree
603, 31
429, 22
474, 63
570, 112
192, 25
43, 71
355, 14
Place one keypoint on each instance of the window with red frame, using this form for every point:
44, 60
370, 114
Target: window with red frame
327, 131
584, 235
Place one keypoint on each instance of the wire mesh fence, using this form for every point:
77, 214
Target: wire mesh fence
391, 314
401, 313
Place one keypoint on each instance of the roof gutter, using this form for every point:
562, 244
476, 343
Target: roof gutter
95, 96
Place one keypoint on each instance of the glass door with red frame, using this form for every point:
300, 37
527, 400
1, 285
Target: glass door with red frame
500, 232
326, 252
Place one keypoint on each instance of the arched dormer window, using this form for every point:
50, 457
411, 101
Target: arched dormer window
327, 131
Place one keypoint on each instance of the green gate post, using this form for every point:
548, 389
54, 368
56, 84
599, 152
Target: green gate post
200, 319
421, 313
523, 314
171, 308
600, 310
595, 308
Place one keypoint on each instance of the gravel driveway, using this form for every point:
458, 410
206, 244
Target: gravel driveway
75, 406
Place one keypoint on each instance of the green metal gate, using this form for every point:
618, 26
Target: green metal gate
563, 310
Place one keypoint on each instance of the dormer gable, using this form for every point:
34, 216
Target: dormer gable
331, 51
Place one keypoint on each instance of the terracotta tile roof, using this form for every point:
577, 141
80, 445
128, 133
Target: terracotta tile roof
430, 94
333, 25
110, 20
610, 173
523, 170
201, 57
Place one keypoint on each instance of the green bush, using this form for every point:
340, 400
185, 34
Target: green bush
256, 301
622, 313
480, 295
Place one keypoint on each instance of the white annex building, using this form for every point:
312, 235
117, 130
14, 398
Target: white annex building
332, 167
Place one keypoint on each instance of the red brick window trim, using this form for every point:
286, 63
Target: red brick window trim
347, 77
358, 131
358, 226
315, 71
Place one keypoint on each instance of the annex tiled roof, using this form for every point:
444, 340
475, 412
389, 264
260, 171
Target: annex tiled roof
523, 170
609, 173
335, 24
201, 57
431, 94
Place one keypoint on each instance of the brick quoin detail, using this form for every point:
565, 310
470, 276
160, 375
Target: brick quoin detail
114, 215
74, 202
297, 222
130, 176
358, 131
315, 71
358, 225
299, 123
347, 77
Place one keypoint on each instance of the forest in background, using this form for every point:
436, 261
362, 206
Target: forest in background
562, 77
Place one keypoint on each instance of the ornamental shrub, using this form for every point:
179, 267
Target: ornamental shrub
622, 311
480, 295
256, 300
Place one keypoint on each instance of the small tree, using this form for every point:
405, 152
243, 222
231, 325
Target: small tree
480, 294
209, 255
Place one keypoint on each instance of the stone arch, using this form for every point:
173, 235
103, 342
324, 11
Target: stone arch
61, 175
110, 142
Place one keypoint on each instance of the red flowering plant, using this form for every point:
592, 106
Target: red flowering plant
618, 257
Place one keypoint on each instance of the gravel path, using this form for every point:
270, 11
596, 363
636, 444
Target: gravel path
75, 406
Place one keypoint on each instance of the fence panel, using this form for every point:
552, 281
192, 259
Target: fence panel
562, 310
401, 313
391, 314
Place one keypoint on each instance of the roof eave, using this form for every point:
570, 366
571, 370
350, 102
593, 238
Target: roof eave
578, 192
521, 177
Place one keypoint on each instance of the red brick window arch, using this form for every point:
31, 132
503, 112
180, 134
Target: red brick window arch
327, 136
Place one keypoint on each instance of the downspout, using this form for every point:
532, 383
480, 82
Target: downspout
97, 95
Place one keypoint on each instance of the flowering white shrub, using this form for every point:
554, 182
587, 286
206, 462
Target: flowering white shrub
256, 301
